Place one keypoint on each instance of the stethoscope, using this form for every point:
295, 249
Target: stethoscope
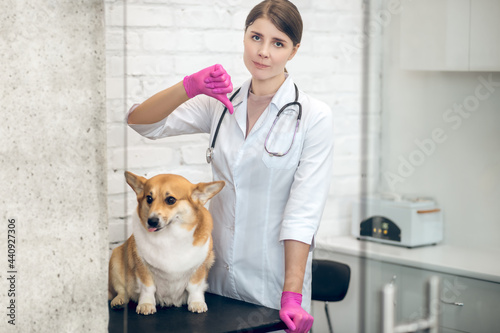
210, 150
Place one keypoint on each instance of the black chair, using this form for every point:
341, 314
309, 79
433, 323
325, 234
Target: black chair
330, 282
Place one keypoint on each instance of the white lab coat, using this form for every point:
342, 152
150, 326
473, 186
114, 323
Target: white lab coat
267, 199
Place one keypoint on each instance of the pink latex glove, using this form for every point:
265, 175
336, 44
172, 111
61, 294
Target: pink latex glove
292, 314
212, 81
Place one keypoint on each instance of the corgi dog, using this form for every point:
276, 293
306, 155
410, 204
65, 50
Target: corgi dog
166, 260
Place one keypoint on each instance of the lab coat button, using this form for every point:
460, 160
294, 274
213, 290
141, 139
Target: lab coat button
227, 267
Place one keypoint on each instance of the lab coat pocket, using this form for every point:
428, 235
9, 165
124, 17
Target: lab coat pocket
288, 161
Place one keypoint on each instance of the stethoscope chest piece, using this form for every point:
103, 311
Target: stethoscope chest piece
210, 155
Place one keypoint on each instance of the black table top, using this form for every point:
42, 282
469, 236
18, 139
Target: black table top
223, 315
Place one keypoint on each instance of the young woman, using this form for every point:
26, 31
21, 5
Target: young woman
275, 155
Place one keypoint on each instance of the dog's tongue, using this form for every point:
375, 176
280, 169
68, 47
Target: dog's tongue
152, 229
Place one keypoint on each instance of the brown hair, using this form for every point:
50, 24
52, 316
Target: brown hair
282, 13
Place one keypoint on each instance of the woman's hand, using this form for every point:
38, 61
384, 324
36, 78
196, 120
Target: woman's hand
296, 319
292, 314
212, 81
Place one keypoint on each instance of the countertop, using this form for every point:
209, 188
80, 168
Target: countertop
483, 265
223, 315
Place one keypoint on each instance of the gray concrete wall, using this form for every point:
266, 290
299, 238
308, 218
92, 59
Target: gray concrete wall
53, 166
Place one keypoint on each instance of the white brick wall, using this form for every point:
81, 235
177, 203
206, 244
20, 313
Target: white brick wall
168, 39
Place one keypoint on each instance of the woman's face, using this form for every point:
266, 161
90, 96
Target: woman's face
267, 50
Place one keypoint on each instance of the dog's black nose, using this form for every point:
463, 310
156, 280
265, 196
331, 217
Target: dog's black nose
153, 222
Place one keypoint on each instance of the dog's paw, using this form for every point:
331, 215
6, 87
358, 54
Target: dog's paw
198, 307
118, 302
146, 309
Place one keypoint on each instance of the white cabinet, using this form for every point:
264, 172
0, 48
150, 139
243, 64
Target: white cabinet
466, 305
360, 310
378, 274
450, 35
485, 35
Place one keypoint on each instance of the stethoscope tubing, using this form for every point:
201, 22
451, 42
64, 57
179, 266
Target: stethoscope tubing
210, 150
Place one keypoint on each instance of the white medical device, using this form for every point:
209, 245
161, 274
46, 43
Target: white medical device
408, 222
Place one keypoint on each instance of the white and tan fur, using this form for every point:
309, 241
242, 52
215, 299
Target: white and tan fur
166, 260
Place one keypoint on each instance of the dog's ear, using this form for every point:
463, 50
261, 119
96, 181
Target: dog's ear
205, 191
135, 182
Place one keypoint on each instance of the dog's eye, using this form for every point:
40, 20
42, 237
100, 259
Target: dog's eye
149, 199
170, 200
